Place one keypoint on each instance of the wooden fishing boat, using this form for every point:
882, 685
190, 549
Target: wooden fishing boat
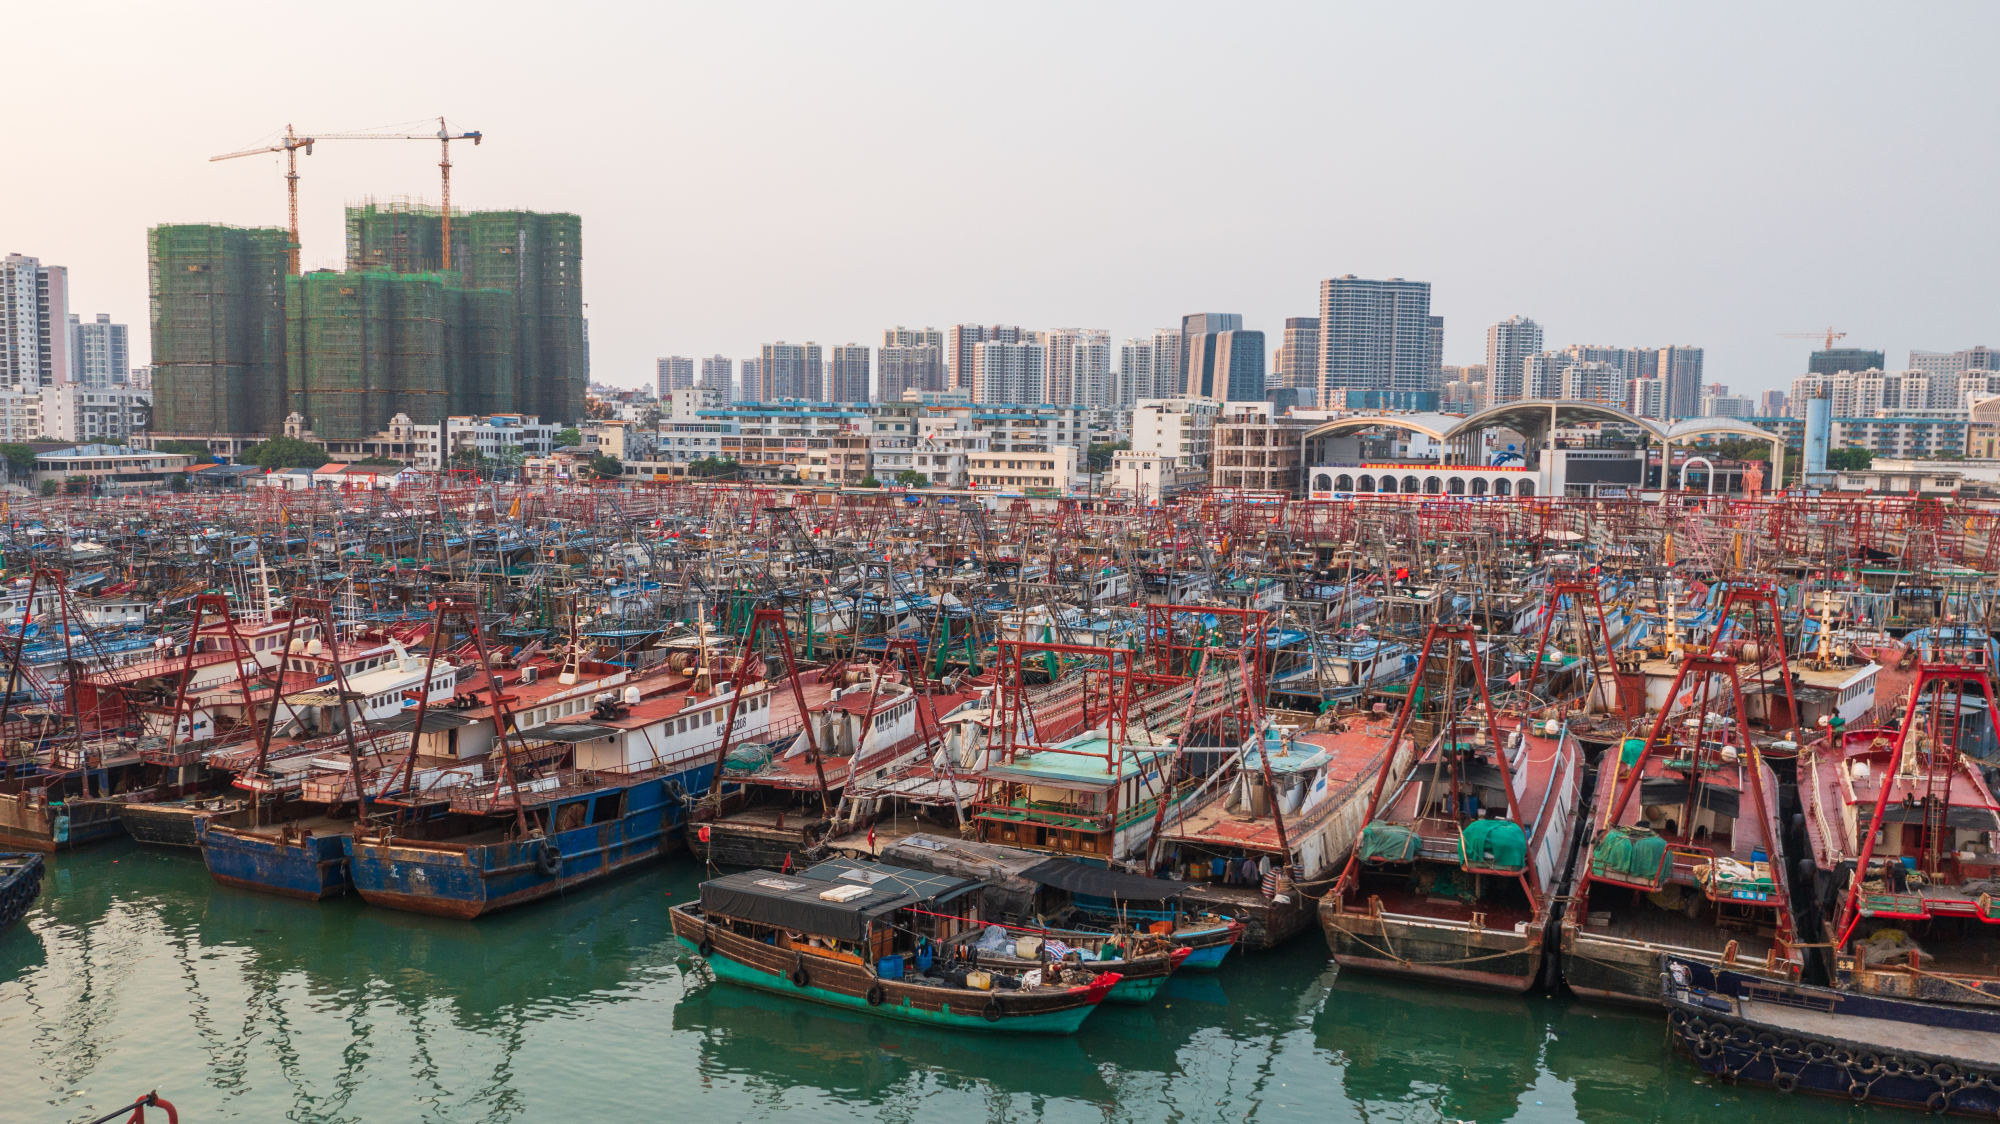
178, 823
869, 941
1456, 874
1682, 853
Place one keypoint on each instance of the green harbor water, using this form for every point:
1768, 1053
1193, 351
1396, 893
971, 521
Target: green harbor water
136, 971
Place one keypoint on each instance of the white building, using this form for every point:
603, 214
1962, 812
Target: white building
1052, 470
1649, 399
1180, 429
1009, 372
1727, 406
675, 372
1509, 346
78, 412
100, 353
34, 322
21, 414
500, 438
1077, 369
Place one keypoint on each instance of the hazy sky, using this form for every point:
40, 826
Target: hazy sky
1703, 174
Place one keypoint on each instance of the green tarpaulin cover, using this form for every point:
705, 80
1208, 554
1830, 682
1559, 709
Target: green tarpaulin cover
1389, 843
1493, 845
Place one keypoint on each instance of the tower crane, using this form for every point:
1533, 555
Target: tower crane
290, 146
1829, 334
292, 143
444, 136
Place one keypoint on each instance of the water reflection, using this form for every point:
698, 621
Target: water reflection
136, 970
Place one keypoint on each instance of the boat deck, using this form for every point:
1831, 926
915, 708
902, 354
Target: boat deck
1646, 922
1891, 1037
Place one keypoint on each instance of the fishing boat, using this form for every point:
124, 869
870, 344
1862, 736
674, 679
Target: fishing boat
1289, 808
1142, 959
878, 941
1681, 853
1455, 876
1864, 1049
1902, 829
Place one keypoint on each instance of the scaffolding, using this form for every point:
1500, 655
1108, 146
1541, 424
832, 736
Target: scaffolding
364, 347
217, 302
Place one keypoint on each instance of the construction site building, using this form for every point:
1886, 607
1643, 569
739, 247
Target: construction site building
217, 296
363, 347
536, 257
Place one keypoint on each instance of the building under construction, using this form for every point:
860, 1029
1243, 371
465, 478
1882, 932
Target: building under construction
218, 316
239, 345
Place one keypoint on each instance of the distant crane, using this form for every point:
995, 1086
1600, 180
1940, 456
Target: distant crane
292, 143
1830, 335
444, 136
290, 147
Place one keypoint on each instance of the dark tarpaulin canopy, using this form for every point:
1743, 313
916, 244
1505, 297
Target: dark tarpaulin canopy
1962, 818
786, 901
1669, 792
925, 887
579, 733
1078, 878
434, 720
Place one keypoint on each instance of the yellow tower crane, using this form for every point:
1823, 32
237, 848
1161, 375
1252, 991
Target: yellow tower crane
290, 146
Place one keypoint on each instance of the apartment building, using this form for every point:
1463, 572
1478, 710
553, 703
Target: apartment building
1181, 429
1256, 450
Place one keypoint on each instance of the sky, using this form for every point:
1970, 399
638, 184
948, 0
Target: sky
1714, 175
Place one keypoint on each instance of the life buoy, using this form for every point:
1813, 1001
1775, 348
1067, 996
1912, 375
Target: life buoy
1785, 1082
702, 834
707, 946
1939, 1101
992, 1009
799, 976
876, 995
548, 859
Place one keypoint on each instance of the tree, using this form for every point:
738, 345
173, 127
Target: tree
607, 468
1099, 457
567, 437
1851, 458
712, 466
199, 452
911, 478
179, 482
649, 418
284, 452
50, 487
20, 459
870, 482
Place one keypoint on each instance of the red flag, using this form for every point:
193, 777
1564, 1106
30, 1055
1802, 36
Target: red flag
1514, 679
788, 864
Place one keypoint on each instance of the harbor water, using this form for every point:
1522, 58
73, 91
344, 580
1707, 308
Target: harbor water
136, 971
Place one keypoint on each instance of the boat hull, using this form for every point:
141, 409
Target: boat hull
1425, 949
1628, 972
20, 883
58, 827
310, 869
468, 881
174, 824
1859, 1051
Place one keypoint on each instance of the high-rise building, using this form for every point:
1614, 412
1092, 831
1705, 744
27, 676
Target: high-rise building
218, 329
1436, 373
1078, 369
1197, 350
1239, 365
1014, 373
100, 353
675, 373
751, 389
1464, 390
1726, 406
536, 257
849, 376
1296, 364
34, 317
1771, 404
1135, 371
717, 373
788, 370
1680, 369
1649, 398
1510, 344
1168, 346
1835, 360
1951, 362
910, 359
1375, 335
962, 341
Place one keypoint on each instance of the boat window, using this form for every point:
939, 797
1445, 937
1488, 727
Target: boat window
608, 808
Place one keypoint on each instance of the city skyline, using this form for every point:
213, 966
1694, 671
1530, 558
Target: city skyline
1725, 249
